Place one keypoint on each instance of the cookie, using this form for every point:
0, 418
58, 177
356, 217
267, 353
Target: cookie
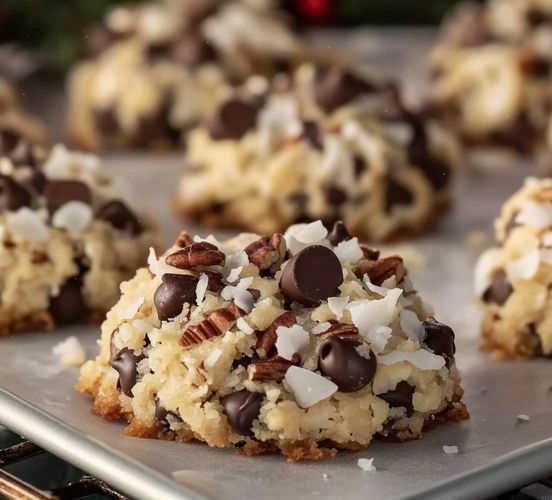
156, 69
67, 238
304, 343
513, 280
329, 144
493, 71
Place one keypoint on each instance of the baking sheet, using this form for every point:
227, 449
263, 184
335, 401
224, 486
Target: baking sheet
496, 451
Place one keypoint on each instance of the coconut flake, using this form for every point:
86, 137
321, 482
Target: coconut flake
368, 314
380, 290
523, 418
212, 359
27, 224
486, 264
366, 464
234, 265
378, 338
63, 163
424, 360
291, 340
74, 216
234, 274
143, 326
240, 295
412, 326
70, 352
536, 215
308, 387
525, 267
311, 233
132, 309
348, 251
244, 326
390, 282
337, 305
321, 328
546, 239
201, 288
546, 256
450, 450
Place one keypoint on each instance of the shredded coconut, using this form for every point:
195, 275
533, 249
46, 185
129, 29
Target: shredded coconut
212, 359
27, 224
348, 251
291, 340
450, 450
366, 464
70, 352
308, 387
133, 308
244, 326
201, 288
525, 267
321, 328
74, 216
412, 326
337, 305
424, 360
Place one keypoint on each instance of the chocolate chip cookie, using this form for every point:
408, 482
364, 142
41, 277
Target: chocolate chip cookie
304, 343
155, 69
493, 71
513, 280
67, 238
331, 143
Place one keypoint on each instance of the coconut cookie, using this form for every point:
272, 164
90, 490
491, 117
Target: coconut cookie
158, 68
302, 343
513, 280
494, 74
67, 238
332, 144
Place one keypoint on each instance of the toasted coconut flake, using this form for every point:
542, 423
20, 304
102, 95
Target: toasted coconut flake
308, 387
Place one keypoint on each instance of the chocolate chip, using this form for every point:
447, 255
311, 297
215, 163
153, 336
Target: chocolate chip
339, 360
439, 338
120, 217
334, 196
242, 408
107, 121
434, 169
171, 295
232, 120
193, 50
256, 294
68, 306
401, 396
499, 289
98, 39
161, 414
312, 275
125, 363
12, 195
359, 165
337, 87
396, 195
36, 181
338, 233
300, 199
311, 132
155, 127
14, 146
57, 193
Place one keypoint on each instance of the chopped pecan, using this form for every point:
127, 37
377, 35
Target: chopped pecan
380, 270
217, 323
340, 330
369, 252
545, 194
271, 369
196, 255
267, 339
183, 240
267, 251
39, 257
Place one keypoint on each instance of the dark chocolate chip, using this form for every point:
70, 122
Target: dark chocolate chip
107, 121
98, 39
155, 127
300, 199
57, 193
337, 87
120, 217
338, 233
344, 366
12, 195
396, 195
36, 181
68, 306
312, 275
256, 294
242, 408
499, 289
125, 363
401, 396
434, 169
192, 51
232, 120
359, 165
311, 132
334, 196
15, 147
161, 414
171, 295
439, 338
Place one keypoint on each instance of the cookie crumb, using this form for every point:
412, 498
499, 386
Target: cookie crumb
70, 352
366, 464
450, 450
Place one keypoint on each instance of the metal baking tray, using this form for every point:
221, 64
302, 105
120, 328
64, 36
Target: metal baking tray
496, 451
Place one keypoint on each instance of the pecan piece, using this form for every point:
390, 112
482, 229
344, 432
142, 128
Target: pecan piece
217, 323
183, 240
196, 255
340, 330
267, 252
369, 253
271, 369
267, 339
380, 270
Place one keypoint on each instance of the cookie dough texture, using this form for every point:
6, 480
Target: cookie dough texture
156, 69
494, 74
513, 280
285, 342
67, 238
329, 144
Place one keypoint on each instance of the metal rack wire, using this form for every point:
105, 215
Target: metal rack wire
13, 488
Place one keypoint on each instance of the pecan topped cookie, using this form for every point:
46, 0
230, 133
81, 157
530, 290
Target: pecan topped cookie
291, 348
